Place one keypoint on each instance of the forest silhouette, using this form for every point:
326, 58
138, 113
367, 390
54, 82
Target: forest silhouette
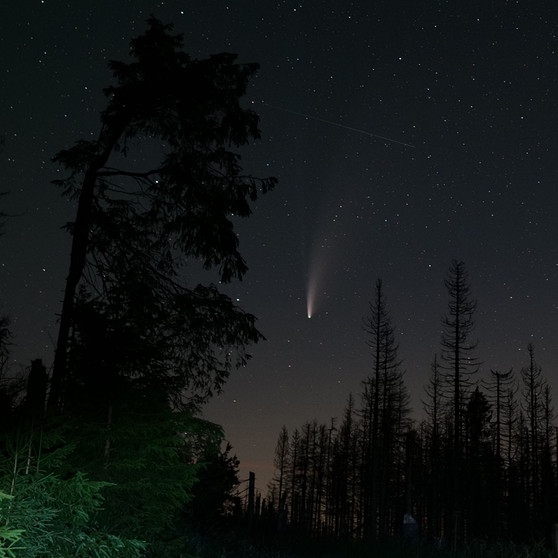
480, 465
106, 455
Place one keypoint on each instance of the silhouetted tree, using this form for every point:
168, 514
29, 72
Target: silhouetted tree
213, 495
134, 227
497, 386
538, 443
312, 458
457, 347
5, 333
479, 467
510, 417
344, 475
549, 487
460, 364
6, 385
322, 460
5, 343
141, 345
434, 409
533, 406
280, 463
294, 477
385, 408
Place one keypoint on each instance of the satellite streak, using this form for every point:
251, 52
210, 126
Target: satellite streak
331, 123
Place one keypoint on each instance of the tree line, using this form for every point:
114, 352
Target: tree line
480, 465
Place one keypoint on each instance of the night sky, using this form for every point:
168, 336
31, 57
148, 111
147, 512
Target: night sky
403, 135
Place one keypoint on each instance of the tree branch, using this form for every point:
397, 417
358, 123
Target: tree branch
109, 171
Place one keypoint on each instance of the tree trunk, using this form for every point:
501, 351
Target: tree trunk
78, 256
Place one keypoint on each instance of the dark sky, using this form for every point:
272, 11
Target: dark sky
471, 86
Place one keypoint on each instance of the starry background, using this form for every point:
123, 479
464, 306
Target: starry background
464, 96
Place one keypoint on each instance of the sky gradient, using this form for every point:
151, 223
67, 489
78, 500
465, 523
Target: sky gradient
403, 136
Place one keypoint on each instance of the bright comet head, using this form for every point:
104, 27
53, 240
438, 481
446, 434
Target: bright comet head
311, 293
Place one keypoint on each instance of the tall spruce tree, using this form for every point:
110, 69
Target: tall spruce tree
434, 409
279, 481
457, 352
479, 501
497, 386
134, 228
385, 407
344, 472
533, 384
5, 344
460, 364
140, 339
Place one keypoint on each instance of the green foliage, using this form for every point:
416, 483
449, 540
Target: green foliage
147, 451
43, 513
55, 517
150, 462
9, 537
82, 486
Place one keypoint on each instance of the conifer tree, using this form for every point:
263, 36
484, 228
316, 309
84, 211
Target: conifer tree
280, 463
457, 347
479, 467
497, 387
343, 475
142, 343
134, 228
385, 408
533, 405
434, 409
460, 364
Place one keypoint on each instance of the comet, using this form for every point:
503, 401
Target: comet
318, 265
311, 294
